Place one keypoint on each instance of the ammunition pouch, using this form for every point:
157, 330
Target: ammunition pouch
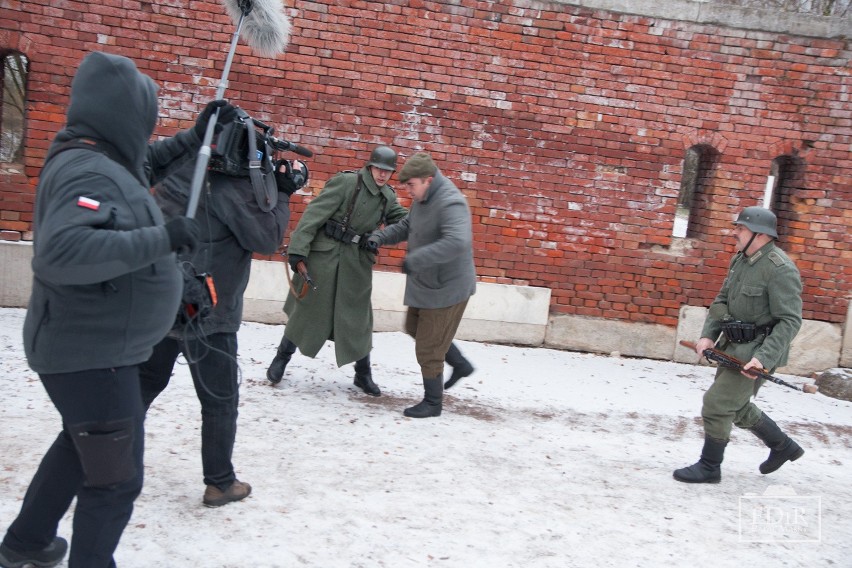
340, 232
742, 332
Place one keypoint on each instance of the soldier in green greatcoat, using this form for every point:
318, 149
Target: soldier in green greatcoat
758, 312
329, 244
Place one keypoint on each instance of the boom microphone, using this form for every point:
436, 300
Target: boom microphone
266, 27
268, 31
286, 146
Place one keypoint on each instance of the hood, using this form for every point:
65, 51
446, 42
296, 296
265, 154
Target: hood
112, 101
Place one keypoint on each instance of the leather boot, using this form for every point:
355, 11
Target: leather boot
431, 403
364, 377
275, 372
461, 366
708, 469
782, 448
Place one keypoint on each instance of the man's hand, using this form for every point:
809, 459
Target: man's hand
183, 233
702, 344
227, 113
371, 243
294, 260
753, 364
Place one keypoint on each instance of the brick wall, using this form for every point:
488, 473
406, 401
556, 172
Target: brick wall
565, 126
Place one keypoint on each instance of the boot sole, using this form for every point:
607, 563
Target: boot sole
792, 458
362, 388
449, 384
683, 480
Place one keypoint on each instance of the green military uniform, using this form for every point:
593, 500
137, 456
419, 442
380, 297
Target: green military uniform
340, 309
763, 288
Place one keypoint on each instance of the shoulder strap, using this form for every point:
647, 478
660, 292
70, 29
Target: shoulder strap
351, 207
265, 188
104, 148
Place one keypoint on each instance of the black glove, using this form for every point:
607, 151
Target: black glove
283, 179
227, 113
183, 232
370, 243
294, 260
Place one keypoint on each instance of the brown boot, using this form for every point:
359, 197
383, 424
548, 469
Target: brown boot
215, 497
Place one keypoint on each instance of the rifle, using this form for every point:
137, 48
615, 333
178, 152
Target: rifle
724, 360
307, 280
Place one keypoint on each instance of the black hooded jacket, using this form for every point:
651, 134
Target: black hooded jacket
105, 283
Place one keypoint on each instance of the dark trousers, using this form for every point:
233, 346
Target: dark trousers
213, 365
433, 330
86, 397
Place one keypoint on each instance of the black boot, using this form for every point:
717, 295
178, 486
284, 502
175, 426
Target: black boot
51, 555
708, 469
782, 448
364, 377
275, 372
431, 403
461, 366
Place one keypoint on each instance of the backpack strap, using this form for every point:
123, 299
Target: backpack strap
93, 144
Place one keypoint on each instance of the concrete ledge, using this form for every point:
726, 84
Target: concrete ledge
846, 345
578, 333
16, 278
497, 313
727, 15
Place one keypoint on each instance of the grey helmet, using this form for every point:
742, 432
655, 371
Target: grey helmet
383, 158
759, 220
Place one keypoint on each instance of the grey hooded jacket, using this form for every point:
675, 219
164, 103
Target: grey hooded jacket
439, 259
105, 283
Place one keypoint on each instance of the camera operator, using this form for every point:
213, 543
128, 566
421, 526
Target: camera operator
329, 241
237, 217
105, 289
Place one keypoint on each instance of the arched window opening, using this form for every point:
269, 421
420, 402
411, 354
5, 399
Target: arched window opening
786, 176
698, 170
13, 87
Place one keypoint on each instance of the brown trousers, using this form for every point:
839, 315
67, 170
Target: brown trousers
433, 330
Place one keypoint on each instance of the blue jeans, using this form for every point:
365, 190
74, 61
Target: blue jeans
91, 398
213, 365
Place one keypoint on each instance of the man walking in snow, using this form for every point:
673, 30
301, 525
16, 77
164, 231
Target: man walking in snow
759, 312
328, 243
105, 290
440, 274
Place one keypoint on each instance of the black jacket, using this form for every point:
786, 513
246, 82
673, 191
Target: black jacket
233, 227
105, 283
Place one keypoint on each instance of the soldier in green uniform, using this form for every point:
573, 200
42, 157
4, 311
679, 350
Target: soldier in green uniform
758, 312
329, 243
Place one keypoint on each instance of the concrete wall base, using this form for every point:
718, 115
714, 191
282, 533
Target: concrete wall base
498, 313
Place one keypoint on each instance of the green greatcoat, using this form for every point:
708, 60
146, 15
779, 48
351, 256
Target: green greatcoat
764, 288
340, 309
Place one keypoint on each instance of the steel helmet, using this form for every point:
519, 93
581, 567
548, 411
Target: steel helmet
383, 158
759, 220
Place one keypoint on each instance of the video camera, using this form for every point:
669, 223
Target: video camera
232, 153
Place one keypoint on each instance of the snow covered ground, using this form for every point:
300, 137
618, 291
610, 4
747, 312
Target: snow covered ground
542, 458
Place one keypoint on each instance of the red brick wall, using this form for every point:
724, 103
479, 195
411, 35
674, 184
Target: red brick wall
566, 127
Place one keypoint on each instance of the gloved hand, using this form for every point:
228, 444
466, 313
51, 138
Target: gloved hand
294, 260
283, 179
370, 243
183, 232
227, 113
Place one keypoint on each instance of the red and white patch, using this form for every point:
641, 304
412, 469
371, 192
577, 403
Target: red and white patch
88, 203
